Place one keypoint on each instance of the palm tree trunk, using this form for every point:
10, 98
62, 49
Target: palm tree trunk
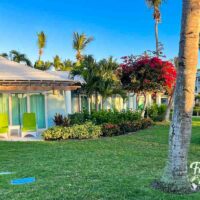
169, 106
96, 101
40, 54
156, 36
89, 104
79, 103
175, 177
145, 105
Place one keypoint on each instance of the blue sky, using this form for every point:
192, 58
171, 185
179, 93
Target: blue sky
119, 27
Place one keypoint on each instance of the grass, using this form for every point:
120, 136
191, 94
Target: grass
110, 168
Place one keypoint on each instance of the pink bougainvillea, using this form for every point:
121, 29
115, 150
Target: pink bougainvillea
145, 73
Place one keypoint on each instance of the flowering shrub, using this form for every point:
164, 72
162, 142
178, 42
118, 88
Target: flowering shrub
110, 130
146, 122
127, 127
145, 73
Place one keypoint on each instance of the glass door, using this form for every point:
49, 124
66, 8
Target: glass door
19, 107
37, 106
4, 109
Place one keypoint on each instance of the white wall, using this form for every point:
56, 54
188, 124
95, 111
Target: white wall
55, 104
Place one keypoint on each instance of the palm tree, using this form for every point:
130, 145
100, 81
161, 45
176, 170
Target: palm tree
88, 70
57, 62
16, 56
109, 83
67, 65
41, 43
155, 4
80, 41
41, 65
175, 177
5, 55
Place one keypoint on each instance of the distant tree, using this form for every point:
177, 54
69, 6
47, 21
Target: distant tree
67, 65
41, 65
5, 55
57, 62
41, 42
80, 41
155, 4
16, 56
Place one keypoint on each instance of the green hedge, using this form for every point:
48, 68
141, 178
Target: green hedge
103, 116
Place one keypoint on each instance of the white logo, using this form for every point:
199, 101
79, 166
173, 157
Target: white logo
195, 179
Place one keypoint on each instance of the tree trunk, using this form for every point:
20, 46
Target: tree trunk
79, 103
156, 36
145, 105
175, 177
169, 106
96, 101
89, 104
40, 54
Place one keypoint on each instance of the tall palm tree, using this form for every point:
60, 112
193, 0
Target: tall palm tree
80, 41
16, 56
175, 177
155, 4
41, 42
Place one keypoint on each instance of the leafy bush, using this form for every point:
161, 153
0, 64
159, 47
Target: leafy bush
55, 133
196, 111
85, 131
60, 120
146, 123
156, 112
79, 118
127, 127
110, 130
114, 117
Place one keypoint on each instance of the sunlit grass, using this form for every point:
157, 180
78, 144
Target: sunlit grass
110, 168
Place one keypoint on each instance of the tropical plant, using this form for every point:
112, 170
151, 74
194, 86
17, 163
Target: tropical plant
80, 41
155, 4
110, 83
16, 56
41, 42
88, 70
175, 176
57, 62
67, 65
41, 65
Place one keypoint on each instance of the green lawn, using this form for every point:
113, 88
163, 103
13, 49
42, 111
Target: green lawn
109, 168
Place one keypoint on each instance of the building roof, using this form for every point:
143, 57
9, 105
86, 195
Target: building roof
67, 75
17, 76
10, 70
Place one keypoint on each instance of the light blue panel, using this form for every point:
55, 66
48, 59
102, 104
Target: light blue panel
37, 106
55, 104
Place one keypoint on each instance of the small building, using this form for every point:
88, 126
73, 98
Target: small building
25, 89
